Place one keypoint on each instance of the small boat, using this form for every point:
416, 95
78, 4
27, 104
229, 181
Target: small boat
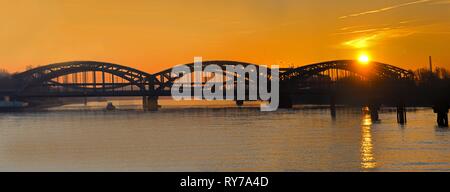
110, 107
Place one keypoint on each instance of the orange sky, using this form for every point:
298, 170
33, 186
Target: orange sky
155, 35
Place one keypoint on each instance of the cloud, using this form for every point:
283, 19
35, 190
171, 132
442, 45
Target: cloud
361, 42
375, 37
375, 28
385, 9
365, 36
442, 2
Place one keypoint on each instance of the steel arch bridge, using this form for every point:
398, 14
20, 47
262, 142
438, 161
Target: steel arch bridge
92, 78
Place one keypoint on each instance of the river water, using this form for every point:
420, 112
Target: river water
219, 138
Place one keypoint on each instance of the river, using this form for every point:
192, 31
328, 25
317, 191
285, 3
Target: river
219, 138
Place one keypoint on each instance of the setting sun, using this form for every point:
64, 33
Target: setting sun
364, 58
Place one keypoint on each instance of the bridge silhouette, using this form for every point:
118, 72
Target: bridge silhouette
371, 85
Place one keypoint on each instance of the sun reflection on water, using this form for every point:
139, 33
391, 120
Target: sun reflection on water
367, 156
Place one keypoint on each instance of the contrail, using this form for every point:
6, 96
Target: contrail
385, 9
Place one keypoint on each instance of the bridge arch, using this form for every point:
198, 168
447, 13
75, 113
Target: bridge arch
165, 79
46, 74
373, 70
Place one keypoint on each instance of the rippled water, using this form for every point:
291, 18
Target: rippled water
179, 138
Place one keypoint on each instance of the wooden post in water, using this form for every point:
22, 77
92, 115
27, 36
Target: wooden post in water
442, 114
333, 106
401, 114
373, 110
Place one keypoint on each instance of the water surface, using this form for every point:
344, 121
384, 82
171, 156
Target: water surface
205, 138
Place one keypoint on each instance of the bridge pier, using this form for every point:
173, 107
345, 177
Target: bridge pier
239, 103
333, 106
333, 111
373, 110
285, 102
401, 114
150, 103
442, 114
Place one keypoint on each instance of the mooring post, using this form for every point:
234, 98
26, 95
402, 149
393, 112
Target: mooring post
373, 109
333, 106
401, 114
442, 114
